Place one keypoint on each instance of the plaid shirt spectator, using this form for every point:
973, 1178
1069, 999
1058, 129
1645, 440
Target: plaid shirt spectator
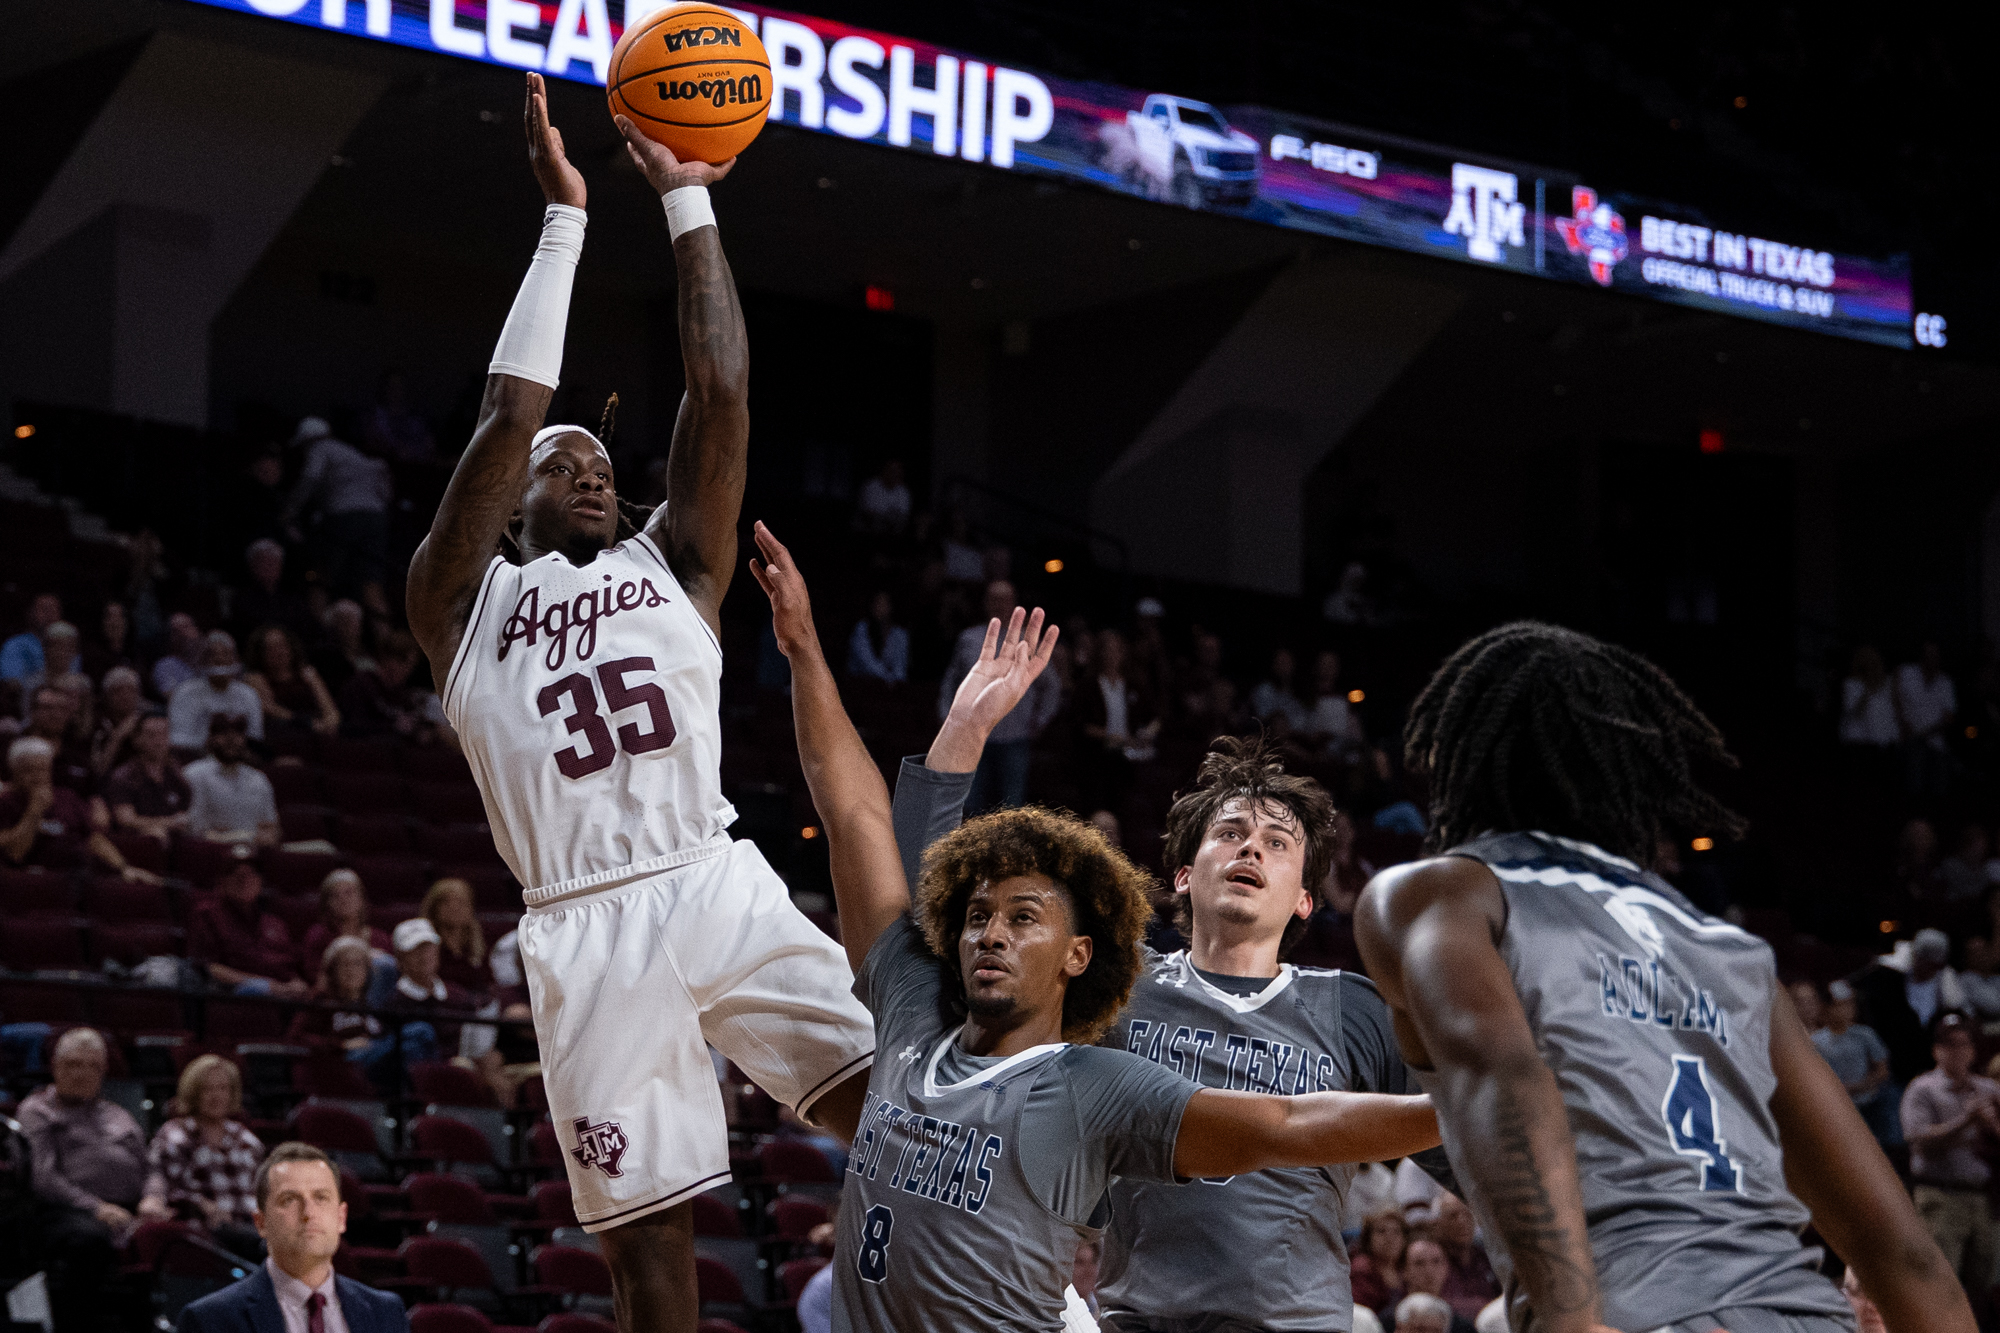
185, 1169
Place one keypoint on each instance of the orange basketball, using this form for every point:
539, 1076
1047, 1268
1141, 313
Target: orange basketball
693, 77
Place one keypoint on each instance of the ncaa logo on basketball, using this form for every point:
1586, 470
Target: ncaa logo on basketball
599, 1145
687, 38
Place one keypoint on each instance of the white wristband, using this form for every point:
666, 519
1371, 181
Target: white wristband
687, 208
531, 343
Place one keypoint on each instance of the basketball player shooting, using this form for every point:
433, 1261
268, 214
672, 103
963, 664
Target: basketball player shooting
581, 668
1640, 1121
994, 1132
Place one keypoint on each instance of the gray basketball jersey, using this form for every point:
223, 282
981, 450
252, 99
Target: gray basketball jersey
1261, 1250
941, 1227
1655, 1019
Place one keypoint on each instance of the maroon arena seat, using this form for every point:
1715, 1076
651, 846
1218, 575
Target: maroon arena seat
567, 1271
26, 891
442, 1139
296, 784
303, 820
142, 851
796, 1273
787, 1161
573, 1321
132, 942
112, 899
713, 1217
138, 1011
449, 1085
442, 1318
333, 1129
555, 1203
367, 793
331, 1074
369, 835
228, 1022
544, 1147
40, 943
448, 1199
26, 1003
796, 1216
200, 860
716, 1284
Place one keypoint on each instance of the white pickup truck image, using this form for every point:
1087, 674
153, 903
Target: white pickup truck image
1185, 151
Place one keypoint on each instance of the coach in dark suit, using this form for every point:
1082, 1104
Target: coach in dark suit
301, 1217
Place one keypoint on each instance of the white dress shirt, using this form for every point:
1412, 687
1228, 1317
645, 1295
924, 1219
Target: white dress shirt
292, 1297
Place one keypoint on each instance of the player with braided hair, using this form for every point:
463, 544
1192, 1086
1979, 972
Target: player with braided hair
1640, 1120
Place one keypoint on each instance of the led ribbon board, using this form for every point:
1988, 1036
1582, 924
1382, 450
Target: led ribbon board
1250, 162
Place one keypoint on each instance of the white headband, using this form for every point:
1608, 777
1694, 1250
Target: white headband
547, 433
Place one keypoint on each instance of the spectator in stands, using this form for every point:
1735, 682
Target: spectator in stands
289, 688
89, 1172
391, 430
879, 648
1198, 676
1905, 993
1961, 876
1119, 727
1472, 1282
52, 716
883, 505
204, 1162
1916, 859
147, 794
1869, 724
346, 974
301, 1218
123, 708
1979, 981
442, 1007
1953, 1128
1001, 781
448, 906
382, 701
241, 945
343, 913
1928, 705
1421, 1313
1377, 1266
229, 801
21, 655
111, 646
1146, 663
218, 692
963, 561
346, 652
1426, 1270
1273, 696
255, 507
42, 824
344, 496
264, 600
1860, 1061
61, 643
1332, 722
183, 659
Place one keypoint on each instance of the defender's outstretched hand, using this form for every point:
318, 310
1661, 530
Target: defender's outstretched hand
561, 183
791, 608
1008, 664
662, 170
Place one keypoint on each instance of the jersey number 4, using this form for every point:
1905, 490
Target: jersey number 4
1692, 1127
588, 723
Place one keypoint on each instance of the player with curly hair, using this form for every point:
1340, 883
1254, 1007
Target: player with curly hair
989, 1136
1642, 1125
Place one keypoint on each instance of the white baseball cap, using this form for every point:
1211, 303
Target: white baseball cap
409, 934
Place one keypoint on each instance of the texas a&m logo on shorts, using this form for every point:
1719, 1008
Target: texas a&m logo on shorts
599, 1145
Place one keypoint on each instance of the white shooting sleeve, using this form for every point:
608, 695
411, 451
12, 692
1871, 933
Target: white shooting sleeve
531, 343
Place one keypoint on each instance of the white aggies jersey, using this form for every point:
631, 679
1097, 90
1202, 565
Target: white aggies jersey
588, 701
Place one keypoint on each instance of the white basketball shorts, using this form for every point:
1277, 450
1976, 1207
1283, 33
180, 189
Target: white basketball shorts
630, 986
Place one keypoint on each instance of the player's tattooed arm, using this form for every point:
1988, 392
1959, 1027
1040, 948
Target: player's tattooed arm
486, 486
1858, 1205
706, 465
847, 789
1429, 934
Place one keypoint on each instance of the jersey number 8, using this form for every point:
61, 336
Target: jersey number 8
873, 1260
586, 721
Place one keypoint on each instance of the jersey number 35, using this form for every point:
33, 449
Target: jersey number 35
596, 749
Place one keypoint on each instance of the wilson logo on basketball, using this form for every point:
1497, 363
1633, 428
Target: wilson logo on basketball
529, 622
600, 1145
692, 37
717, 92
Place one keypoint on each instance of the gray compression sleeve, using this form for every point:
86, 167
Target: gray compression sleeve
929, 804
